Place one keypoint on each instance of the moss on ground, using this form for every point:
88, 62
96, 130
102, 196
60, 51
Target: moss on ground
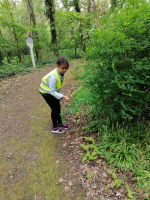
31, 170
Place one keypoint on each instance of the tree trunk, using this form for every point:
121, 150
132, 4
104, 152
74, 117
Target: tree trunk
16, 39
8, 59
50, 12
0, 33
113, 4
75, 49
1, 58
88, 6
75, 52
94, 7
17, 42
32, 18
77, 9
1, 55
76, 4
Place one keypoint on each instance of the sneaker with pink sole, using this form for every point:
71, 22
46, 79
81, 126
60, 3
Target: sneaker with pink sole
58, 130
64, 126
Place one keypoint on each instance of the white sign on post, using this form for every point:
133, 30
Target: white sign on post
29, 42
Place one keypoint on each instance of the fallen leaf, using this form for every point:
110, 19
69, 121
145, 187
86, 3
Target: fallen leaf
61, 180
98, 161
110, 191
104, 174
66, 188
104, 181
94, 186
87, 169
109, 180
75, 174
93, 192
95, 172
57, 161
89, 194
118, 194
98, 192
70, 183
105, 194
9, 155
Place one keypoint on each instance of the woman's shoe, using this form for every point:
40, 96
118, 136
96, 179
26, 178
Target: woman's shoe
64, 126
58, 130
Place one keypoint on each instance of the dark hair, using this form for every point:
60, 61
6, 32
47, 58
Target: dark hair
62, 60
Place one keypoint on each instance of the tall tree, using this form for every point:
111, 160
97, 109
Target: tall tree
33, 20
50, 12
8, 9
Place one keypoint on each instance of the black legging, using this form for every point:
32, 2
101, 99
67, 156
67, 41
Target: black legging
55, 108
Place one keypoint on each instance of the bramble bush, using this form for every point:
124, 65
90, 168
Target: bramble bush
117, 75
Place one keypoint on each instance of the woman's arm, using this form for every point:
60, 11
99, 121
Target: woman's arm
52, 80
66, 98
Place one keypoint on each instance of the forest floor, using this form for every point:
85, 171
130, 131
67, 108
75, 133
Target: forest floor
34, 162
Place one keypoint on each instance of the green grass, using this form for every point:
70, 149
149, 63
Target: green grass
125, 147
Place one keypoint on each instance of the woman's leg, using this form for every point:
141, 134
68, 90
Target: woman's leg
59, 120
55, 108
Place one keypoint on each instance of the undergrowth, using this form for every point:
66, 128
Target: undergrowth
125, 147
114, 87
15, 67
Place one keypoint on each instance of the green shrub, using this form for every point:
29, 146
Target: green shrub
117, 75
9, 69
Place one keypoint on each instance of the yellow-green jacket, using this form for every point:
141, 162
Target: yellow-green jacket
52, 84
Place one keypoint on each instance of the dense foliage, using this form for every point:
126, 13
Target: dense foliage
117, 75
115, 85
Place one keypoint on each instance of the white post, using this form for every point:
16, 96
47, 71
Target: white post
29, 42
32, 57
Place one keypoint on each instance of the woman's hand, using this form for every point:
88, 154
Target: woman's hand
66, 98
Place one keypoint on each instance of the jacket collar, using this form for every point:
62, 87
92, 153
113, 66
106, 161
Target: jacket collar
59, 73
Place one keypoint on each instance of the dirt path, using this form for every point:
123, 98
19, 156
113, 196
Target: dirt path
31, 162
